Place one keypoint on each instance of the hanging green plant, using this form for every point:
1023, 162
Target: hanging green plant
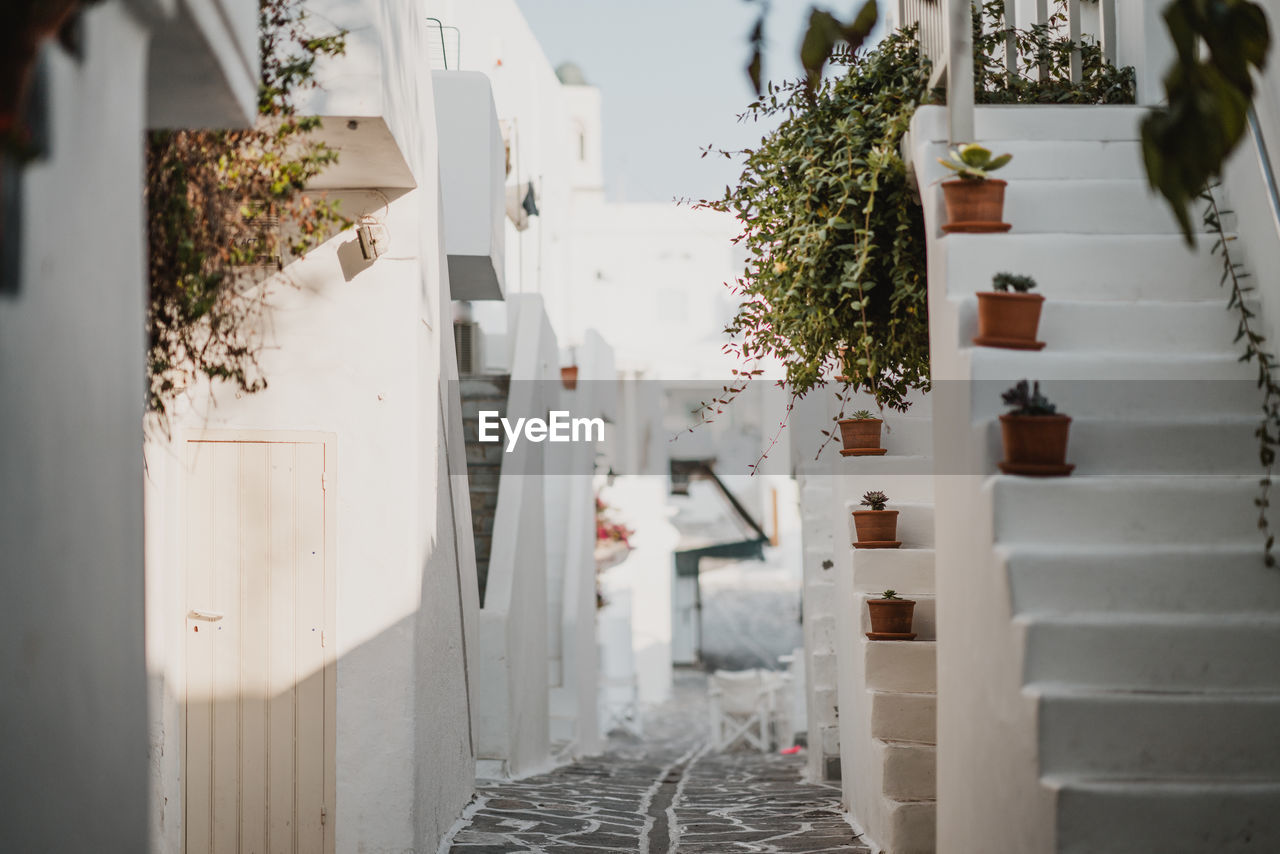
834, 232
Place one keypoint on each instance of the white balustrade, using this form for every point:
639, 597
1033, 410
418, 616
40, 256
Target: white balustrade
946, 38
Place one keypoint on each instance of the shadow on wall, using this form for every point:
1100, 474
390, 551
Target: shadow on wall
256, 762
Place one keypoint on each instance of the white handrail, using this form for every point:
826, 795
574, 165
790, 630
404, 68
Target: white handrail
960, 71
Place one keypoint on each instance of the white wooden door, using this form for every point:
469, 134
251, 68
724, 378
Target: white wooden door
258, 736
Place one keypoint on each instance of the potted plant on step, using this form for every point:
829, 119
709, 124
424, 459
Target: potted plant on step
876, 526
1008, 316
974, 200
860, 434
891, 617
1034, 434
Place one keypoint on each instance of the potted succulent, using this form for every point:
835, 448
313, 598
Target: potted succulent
1034, 434
876, 526
1008, 316
891, 617
974, 200
860, 434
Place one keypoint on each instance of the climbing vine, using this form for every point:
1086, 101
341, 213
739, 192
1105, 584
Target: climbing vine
1268, 432
226, 211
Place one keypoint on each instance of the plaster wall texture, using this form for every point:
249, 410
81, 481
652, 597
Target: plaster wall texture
71, 371
73, 709
362, 351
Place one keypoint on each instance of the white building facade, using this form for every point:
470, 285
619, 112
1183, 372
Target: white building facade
72, 360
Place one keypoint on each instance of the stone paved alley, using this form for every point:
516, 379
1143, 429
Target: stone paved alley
664, 793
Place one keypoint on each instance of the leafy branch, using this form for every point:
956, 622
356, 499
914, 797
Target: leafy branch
824, 37
227, 210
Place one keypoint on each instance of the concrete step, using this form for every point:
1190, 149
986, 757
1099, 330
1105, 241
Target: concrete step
1165, 398
909, 571
1104, 267
1063, 159
1166, 735
904, 717
822, 632
913, 484
1158, 652
473, 406
910, 769
484, 454
1223, 816
996, 364
1210, 444
1124, 510
915, 521
476, 386
999, 123
1176, 578
1132, 326
1088, 206
913, 826
908, 667
924, 619
824, 667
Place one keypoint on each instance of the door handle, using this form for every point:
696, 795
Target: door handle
211, 616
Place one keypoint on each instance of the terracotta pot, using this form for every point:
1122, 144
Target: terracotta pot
1035, 440
569, 377
875, 526
891, 616
858, 433
974, 201
1009, 315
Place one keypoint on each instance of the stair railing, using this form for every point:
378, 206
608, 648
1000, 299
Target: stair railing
946, 38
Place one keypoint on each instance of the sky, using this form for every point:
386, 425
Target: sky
672, 76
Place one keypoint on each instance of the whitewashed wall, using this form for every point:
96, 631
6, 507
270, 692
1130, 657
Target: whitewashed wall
361, 350
73, 706
73, 711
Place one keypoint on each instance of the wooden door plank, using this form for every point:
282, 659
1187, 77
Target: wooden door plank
311, 690
226, 663
281, 760
197, 741
255, 595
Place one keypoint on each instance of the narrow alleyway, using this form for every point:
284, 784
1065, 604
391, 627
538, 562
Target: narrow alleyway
664, 793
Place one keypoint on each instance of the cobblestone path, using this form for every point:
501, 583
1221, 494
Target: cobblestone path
665, 794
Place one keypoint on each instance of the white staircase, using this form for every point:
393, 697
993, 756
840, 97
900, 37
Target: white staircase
1111, 681
888, 689
820, 609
